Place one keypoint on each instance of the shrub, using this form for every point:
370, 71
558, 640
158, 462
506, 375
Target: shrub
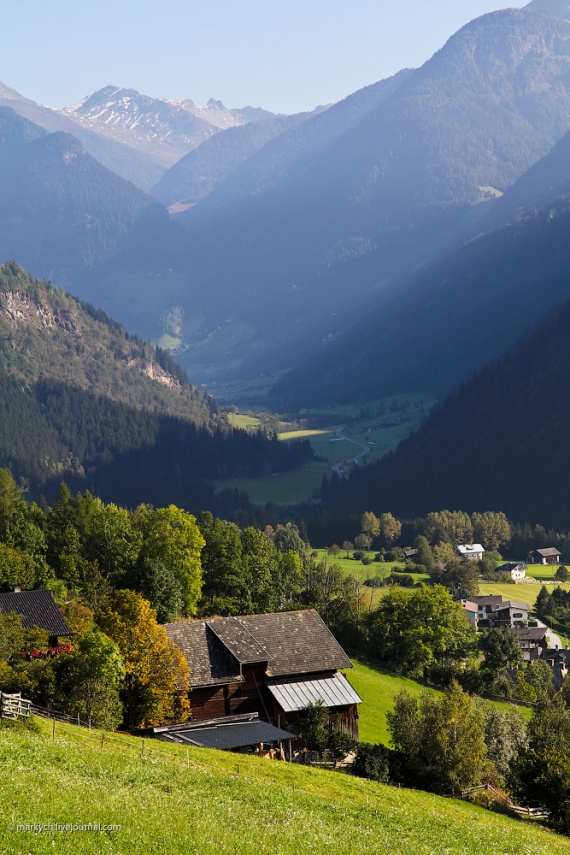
372, 761
402, 579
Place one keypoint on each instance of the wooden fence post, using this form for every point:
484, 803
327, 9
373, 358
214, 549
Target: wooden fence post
53, 729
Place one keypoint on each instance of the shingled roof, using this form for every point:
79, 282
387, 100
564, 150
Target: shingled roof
210, 662
238, 639
290, 643
38, 609
297, 642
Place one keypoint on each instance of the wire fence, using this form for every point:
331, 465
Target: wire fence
146, 750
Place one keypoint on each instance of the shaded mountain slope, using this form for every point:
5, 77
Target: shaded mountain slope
68, 218
501, 441
81, 400
197, 174
456, 315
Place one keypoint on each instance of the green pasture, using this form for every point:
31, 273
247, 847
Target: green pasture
543, 572
378, 689
242, 422
170, 799
522, 592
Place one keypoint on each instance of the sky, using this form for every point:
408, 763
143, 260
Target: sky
284, 55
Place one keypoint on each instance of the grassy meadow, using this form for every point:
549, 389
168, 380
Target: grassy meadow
201, 802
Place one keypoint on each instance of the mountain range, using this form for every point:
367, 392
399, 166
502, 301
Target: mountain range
298, 227
392, 241
302, 239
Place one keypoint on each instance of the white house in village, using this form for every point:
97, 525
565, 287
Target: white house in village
514, 570
471, 551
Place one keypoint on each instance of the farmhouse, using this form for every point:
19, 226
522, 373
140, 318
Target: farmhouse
269, 664
495, 613
514, 570
38, 609
550, 555
532, 640
471, 551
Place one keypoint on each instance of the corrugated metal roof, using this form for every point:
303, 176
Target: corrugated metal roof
228, 736
295, 695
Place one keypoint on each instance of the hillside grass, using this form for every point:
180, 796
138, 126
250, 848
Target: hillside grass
164, 805
378, 689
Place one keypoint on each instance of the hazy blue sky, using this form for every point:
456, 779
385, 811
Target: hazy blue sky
285, 55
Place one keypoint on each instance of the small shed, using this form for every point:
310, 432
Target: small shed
230, 733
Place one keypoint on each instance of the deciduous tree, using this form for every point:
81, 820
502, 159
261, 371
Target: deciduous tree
156, 674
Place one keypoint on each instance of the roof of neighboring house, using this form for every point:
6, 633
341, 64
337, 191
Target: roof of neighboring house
488, 600
530, 633
548, 552
294, 695
469, 606
559, 656
38, 609
469, 548
409, 553
291, 643
225, 734
511, 604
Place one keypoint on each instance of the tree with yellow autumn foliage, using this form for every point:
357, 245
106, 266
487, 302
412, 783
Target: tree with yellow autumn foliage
155, 688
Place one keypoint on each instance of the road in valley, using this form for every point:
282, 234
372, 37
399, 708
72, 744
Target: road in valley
340, 434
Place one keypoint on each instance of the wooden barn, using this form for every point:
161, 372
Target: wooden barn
270, 664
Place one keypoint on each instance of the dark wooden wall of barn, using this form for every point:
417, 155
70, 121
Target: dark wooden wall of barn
233, 698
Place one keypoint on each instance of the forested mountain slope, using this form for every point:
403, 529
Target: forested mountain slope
199, 172
452, 318
501, 441
81, 400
